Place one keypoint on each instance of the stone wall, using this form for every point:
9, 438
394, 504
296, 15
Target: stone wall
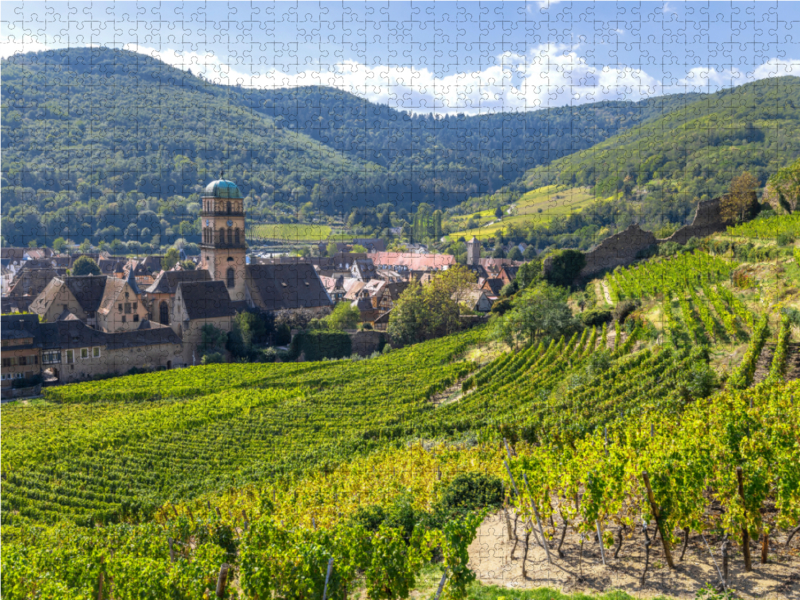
707, 220
366, 342
118, 361
619, 249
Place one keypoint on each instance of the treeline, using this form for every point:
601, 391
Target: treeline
142, 130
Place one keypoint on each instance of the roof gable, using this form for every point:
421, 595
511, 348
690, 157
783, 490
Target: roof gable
285, 287
204, 299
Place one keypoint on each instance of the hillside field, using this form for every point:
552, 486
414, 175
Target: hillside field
151, 483
289, 232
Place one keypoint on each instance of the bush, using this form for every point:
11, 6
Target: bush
596, 317
212, 358
669, 248
316, 345
502, 306
471, 491
623, 309
785, 239
564, 266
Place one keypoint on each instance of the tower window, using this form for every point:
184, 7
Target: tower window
236, 236
231, 278
230, 235
229, 208
221, 235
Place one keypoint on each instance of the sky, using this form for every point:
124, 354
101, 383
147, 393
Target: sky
447, 57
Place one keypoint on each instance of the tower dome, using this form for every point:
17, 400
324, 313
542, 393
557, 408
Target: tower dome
222, 188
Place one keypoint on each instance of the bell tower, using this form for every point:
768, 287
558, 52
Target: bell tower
223, 248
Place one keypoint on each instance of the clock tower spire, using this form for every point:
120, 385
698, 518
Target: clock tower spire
223, 247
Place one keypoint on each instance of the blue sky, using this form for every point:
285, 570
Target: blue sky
446, 57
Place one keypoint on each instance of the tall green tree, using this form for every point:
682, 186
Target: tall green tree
85, 265
537, 312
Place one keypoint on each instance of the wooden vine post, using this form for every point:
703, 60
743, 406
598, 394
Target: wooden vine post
222, 580
654, 508
748, 564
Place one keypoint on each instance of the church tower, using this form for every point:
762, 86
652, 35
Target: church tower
223, 248
473, 252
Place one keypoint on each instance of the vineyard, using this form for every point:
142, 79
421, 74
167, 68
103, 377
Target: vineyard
337, 478
768, 228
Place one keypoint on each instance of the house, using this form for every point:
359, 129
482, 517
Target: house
389, 294
69, 350
334, 286
367, 312
508, 273
196, 304
72, 351
363, 270
406, 262
474, 299
492, 287
160, 295
106, 303
28, 282
22, 348
352, 288
382, 322
286, 287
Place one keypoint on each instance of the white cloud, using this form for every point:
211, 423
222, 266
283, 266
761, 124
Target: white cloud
711, 79
19, 44
549, 75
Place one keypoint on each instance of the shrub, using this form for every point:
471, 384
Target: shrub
320, 344
212, 358
623, 309
471, 491
785, 239
595, 317
564, 266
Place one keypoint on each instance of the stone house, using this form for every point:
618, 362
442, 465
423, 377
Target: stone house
106, 303
196, 304
286, 287
160, 296
72, 352
21, 348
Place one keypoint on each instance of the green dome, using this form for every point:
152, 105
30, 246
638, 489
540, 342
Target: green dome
222, 188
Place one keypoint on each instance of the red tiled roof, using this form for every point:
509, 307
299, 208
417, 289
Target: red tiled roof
414, 262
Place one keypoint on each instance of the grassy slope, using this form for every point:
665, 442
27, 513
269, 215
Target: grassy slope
290, 232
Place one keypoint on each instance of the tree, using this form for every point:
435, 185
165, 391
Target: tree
423, 313
85, 247
59, 244
85, 266
538, 312
188, 265
498, 213
214, 339
332, 248
563, 267
529, 273
248, 329
785, 185
170, 259
455, 282
359, 249
515, 253
343, 317
498, 252
741, 204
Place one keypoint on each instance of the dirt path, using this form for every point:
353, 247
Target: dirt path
490, 558
601, 286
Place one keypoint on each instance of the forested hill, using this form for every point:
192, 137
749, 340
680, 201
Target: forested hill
82, 125
693, 152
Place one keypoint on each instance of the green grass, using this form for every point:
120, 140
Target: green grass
538, 206
290, 232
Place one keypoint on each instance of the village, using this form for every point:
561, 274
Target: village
135, 315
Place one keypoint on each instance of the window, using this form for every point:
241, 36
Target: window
163, 312
135, 306
84, 353
96, 352
124, 319
236, 236
221, 235
52, 357
231, 278
229, 208
23, 360
127, 308
136, 317
119, 307
230, 235
6, 362
70, 357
